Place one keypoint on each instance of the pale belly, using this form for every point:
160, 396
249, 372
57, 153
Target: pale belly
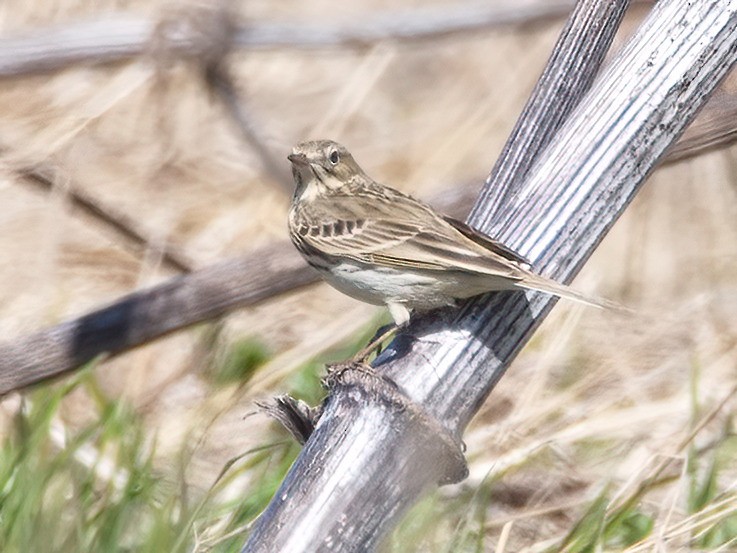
379, 286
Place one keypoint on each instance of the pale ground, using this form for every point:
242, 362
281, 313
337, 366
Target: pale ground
153, 143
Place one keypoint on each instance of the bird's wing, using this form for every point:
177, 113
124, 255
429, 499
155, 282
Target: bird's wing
486, 242
367, 240
413, 238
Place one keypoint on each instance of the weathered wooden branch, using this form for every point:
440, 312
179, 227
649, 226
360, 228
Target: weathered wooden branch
551, 102
362, 467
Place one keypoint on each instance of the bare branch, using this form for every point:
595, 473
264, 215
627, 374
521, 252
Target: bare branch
410, 25
52, 49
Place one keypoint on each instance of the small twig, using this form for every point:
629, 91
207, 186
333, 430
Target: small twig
124, 226
222, 84
297, 417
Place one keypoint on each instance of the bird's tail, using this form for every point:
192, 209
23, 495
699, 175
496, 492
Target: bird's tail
542, 284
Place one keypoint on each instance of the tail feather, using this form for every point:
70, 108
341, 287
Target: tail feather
542, 284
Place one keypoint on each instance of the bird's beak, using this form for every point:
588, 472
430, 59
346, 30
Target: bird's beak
298, 159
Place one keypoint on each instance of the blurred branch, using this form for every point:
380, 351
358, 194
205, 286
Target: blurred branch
177, 303
405, 26
189, 35
359, 471
121, 224
221, 82
151, 313
212, 30
119, 37
715, 127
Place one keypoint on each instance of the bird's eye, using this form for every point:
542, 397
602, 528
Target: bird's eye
334, 157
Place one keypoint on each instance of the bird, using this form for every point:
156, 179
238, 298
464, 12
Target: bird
383, 247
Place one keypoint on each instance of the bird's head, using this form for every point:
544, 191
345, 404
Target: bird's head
321, 167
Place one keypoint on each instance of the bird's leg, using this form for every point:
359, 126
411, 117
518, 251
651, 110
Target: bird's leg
400, 314
382, 334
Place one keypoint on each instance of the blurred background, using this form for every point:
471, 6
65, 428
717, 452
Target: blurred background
625, 426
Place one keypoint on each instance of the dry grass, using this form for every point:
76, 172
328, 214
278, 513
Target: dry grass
591, 402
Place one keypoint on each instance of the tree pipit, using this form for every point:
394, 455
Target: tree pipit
384, 247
